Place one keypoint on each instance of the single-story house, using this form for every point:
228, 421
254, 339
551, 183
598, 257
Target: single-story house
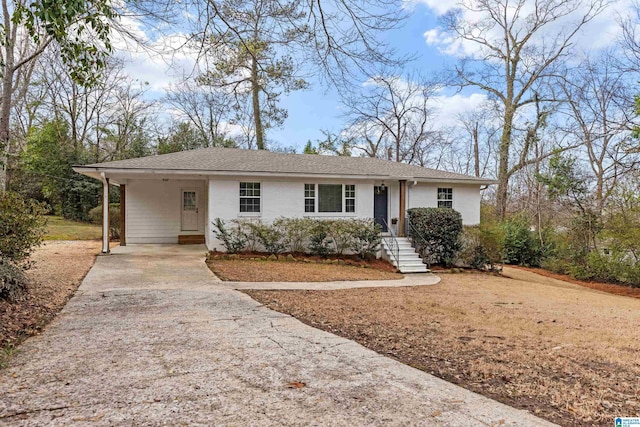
175, 197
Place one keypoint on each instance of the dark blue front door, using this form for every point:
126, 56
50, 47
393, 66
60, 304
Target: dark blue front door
380, 206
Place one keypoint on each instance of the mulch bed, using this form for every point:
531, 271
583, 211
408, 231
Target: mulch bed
259, 267
622, 290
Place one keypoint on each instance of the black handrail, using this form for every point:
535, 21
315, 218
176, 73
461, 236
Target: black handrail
418, 241
392, 243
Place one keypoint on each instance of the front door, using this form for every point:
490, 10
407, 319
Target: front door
380, 206
189, 220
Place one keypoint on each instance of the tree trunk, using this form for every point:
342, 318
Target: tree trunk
255, 92
503, 167
5, 115
476, 150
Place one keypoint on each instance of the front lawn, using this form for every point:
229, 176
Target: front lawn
252, 270
59, 228
563, 352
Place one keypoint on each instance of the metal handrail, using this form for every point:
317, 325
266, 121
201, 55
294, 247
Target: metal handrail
418, 241
392, 243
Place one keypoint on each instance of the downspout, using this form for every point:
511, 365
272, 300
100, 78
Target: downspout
105, 213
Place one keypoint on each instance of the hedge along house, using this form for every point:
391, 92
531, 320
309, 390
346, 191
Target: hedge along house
173, 198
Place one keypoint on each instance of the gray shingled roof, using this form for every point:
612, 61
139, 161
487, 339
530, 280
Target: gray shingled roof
259, 161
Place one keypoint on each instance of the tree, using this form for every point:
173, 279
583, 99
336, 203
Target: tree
79, 28
255, 38
397, 108
50, 155
599, 107
517, 47
209, 111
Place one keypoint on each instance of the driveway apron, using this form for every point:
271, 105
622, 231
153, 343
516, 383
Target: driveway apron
153, 338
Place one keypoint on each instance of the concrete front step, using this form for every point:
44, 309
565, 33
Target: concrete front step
409, 260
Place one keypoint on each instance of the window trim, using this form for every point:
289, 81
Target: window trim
240, 212
343, 204
313, 197
448, 192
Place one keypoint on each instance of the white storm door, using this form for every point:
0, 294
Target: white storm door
189, 220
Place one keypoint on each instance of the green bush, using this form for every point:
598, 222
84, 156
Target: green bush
520, 246
441, 229
270, 236
340, 233
296, 232
22, 227
95, 215
319, 240
248, 230
232, 239
366, 238
13, 281
481, 247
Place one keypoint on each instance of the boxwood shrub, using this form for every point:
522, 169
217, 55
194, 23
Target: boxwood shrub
441, 229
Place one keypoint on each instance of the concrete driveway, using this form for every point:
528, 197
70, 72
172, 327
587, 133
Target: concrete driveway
151, 338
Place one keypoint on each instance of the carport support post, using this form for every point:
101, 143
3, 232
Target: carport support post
105, 214
123, 215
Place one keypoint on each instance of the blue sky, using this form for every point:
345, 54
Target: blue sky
318, 108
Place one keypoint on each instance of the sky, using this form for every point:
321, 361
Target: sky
318, 108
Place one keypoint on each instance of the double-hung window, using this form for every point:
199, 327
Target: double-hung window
309, 197
250, 197
445, 197
350, 198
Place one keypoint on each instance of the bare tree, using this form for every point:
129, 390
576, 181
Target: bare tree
599, 108
210, 110
518, 44
397, 108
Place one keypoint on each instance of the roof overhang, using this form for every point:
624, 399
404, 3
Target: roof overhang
115, 173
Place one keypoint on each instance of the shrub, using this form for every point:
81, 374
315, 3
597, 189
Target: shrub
296, 232
520, 245
13, 282
481, 247
319, 240
22, 227
232, 239
95, 215
270, 236
340, 233
248, 230
365, 238
441, 229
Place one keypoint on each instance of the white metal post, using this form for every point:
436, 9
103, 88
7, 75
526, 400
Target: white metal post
105, 214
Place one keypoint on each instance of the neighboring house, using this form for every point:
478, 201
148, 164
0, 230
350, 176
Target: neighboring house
174, 197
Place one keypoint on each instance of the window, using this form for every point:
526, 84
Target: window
250, 197
350, 198
445, 197
309, 197
329, 198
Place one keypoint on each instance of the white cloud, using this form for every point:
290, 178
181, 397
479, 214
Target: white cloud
599, 33
439, 7
448, 109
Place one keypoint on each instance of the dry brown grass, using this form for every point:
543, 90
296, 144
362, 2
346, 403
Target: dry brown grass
564, 352
244, 270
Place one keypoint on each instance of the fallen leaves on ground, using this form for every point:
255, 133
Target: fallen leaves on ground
59, 267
